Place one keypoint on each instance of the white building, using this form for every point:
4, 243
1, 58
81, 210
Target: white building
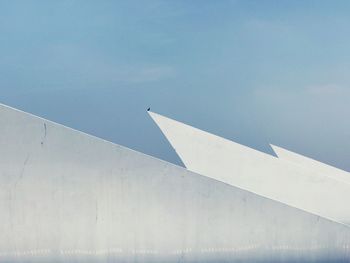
294, 180
66, 196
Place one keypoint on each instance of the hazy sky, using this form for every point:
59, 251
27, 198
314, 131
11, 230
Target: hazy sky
256, 72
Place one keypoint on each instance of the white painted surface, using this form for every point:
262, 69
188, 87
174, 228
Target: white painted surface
258, 172
69, 197
311, 164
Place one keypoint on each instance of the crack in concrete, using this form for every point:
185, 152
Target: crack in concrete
22, 171
45, 133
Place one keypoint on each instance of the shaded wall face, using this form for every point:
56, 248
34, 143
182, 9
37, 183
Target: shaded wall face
69, 197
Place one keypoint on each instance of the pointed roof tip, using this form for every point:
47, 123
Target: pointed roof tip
273, 146
275, 149
281, 151
150, 112
153, 114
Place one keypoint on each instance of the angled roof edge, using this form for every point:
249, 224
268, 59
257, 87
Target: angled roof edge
255, 171
310, 163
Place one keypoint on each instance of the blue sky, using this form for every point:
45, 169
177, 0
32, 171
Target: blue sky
256, 72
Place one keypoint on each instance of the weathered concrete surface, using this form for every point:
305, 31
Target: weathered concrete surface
69, 197
301, 186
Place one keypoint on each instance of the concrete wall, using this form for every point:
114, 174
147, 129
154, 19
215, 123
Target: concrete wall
301, 186
311, 164
69, 197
